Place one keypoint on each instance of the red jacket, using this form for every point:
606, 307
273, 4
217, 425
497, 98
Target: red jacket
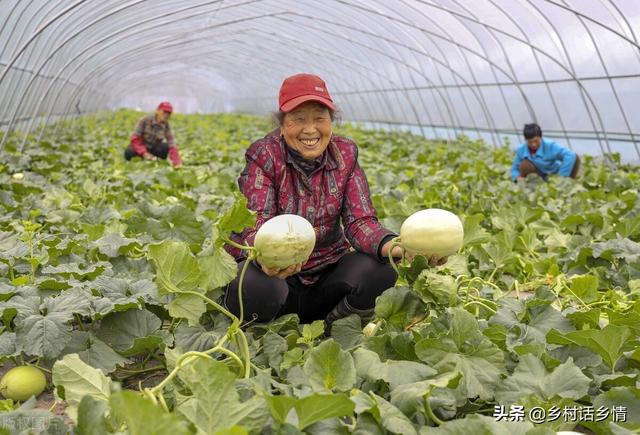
149, 133
336, 191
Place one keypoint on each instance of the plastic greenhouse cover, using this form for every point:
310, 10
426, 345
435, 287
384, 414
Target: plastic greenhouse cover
483, 68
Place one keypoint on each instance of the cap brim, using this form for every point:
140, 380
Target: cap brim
295, 102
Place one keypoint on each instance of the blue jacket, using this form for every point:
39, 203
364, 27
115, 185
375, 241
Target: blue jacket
550, 158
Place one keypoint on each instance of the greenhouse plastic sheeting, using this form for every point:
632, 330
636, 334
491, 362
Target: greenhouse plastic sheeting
440, 68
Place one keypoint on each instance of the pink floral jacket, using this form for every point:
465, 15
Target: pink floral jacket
336, 191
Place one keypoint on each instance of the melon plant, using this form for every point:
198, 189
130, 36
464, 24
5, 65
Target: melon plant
22, 382
284, 240
432, 231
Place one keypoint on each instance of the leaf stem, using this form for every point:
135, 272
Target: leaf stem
237, 245
481, 304
429, 411
240, 282
394, 242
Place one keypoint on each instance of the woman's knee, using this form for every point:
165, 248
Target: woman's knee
262, 296
368, 275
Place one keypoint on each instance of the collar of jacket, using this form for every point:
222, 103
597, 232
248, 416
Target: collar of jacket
329, 161
155, 121
544, 144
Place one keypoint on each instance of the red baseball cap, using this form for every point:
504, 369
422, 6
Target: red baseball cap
166, 106
300, 88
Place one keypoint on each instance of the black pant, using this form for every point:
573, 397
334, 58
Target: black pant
358, 276
161, 151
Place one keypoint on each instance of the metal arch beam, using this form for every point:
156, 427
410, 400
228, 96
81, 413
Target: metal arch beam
629, 26
440, 36
481, 100
15, 24
52, 53
119, 59
147, 77
479, 97
573, 73
260, 49
542, 73
92, 45
453, 42
79, 32
495, 76
598, 23
606, 70
10, 85
387, 55
419, 51
36, 34
498, 30
434, 91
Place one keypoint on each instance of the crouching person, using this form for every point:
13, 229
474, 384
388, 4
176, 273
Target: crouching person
153, 139
303, 168
542, 157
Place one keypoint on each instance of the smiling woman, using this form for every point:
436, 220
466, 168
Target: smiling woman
303, 169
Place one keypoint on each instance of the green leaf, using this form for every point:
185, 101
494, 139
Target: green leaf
198, 338
143, 417
585, 287
187, 306
396, 373
347, 331
528, 322
126, 294
409, 398
531, 377
329, 367
213, 387
625, 249
176, 267
463, 348
111, 244
43, 336
68, 303
74, 379
474, 234
435, 288
609, 342
387, 415
274, 348
218, 269
318, 407
101, 356
280, 406
311, 331
92, 417
237, 218
399, 307
28, 420
8, 345
482, 425
179, 223
622, 398
131, 332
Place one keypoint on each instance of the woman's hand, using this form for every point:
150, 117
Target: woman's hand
398, 252
280, 273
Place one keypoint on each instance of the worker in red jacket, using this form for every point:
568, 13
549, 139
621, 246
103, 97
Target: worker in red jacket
304, 168
152, 138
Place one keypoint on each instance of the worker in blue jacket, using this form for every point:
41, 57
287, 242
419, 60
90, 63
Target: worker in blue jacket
539, 156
